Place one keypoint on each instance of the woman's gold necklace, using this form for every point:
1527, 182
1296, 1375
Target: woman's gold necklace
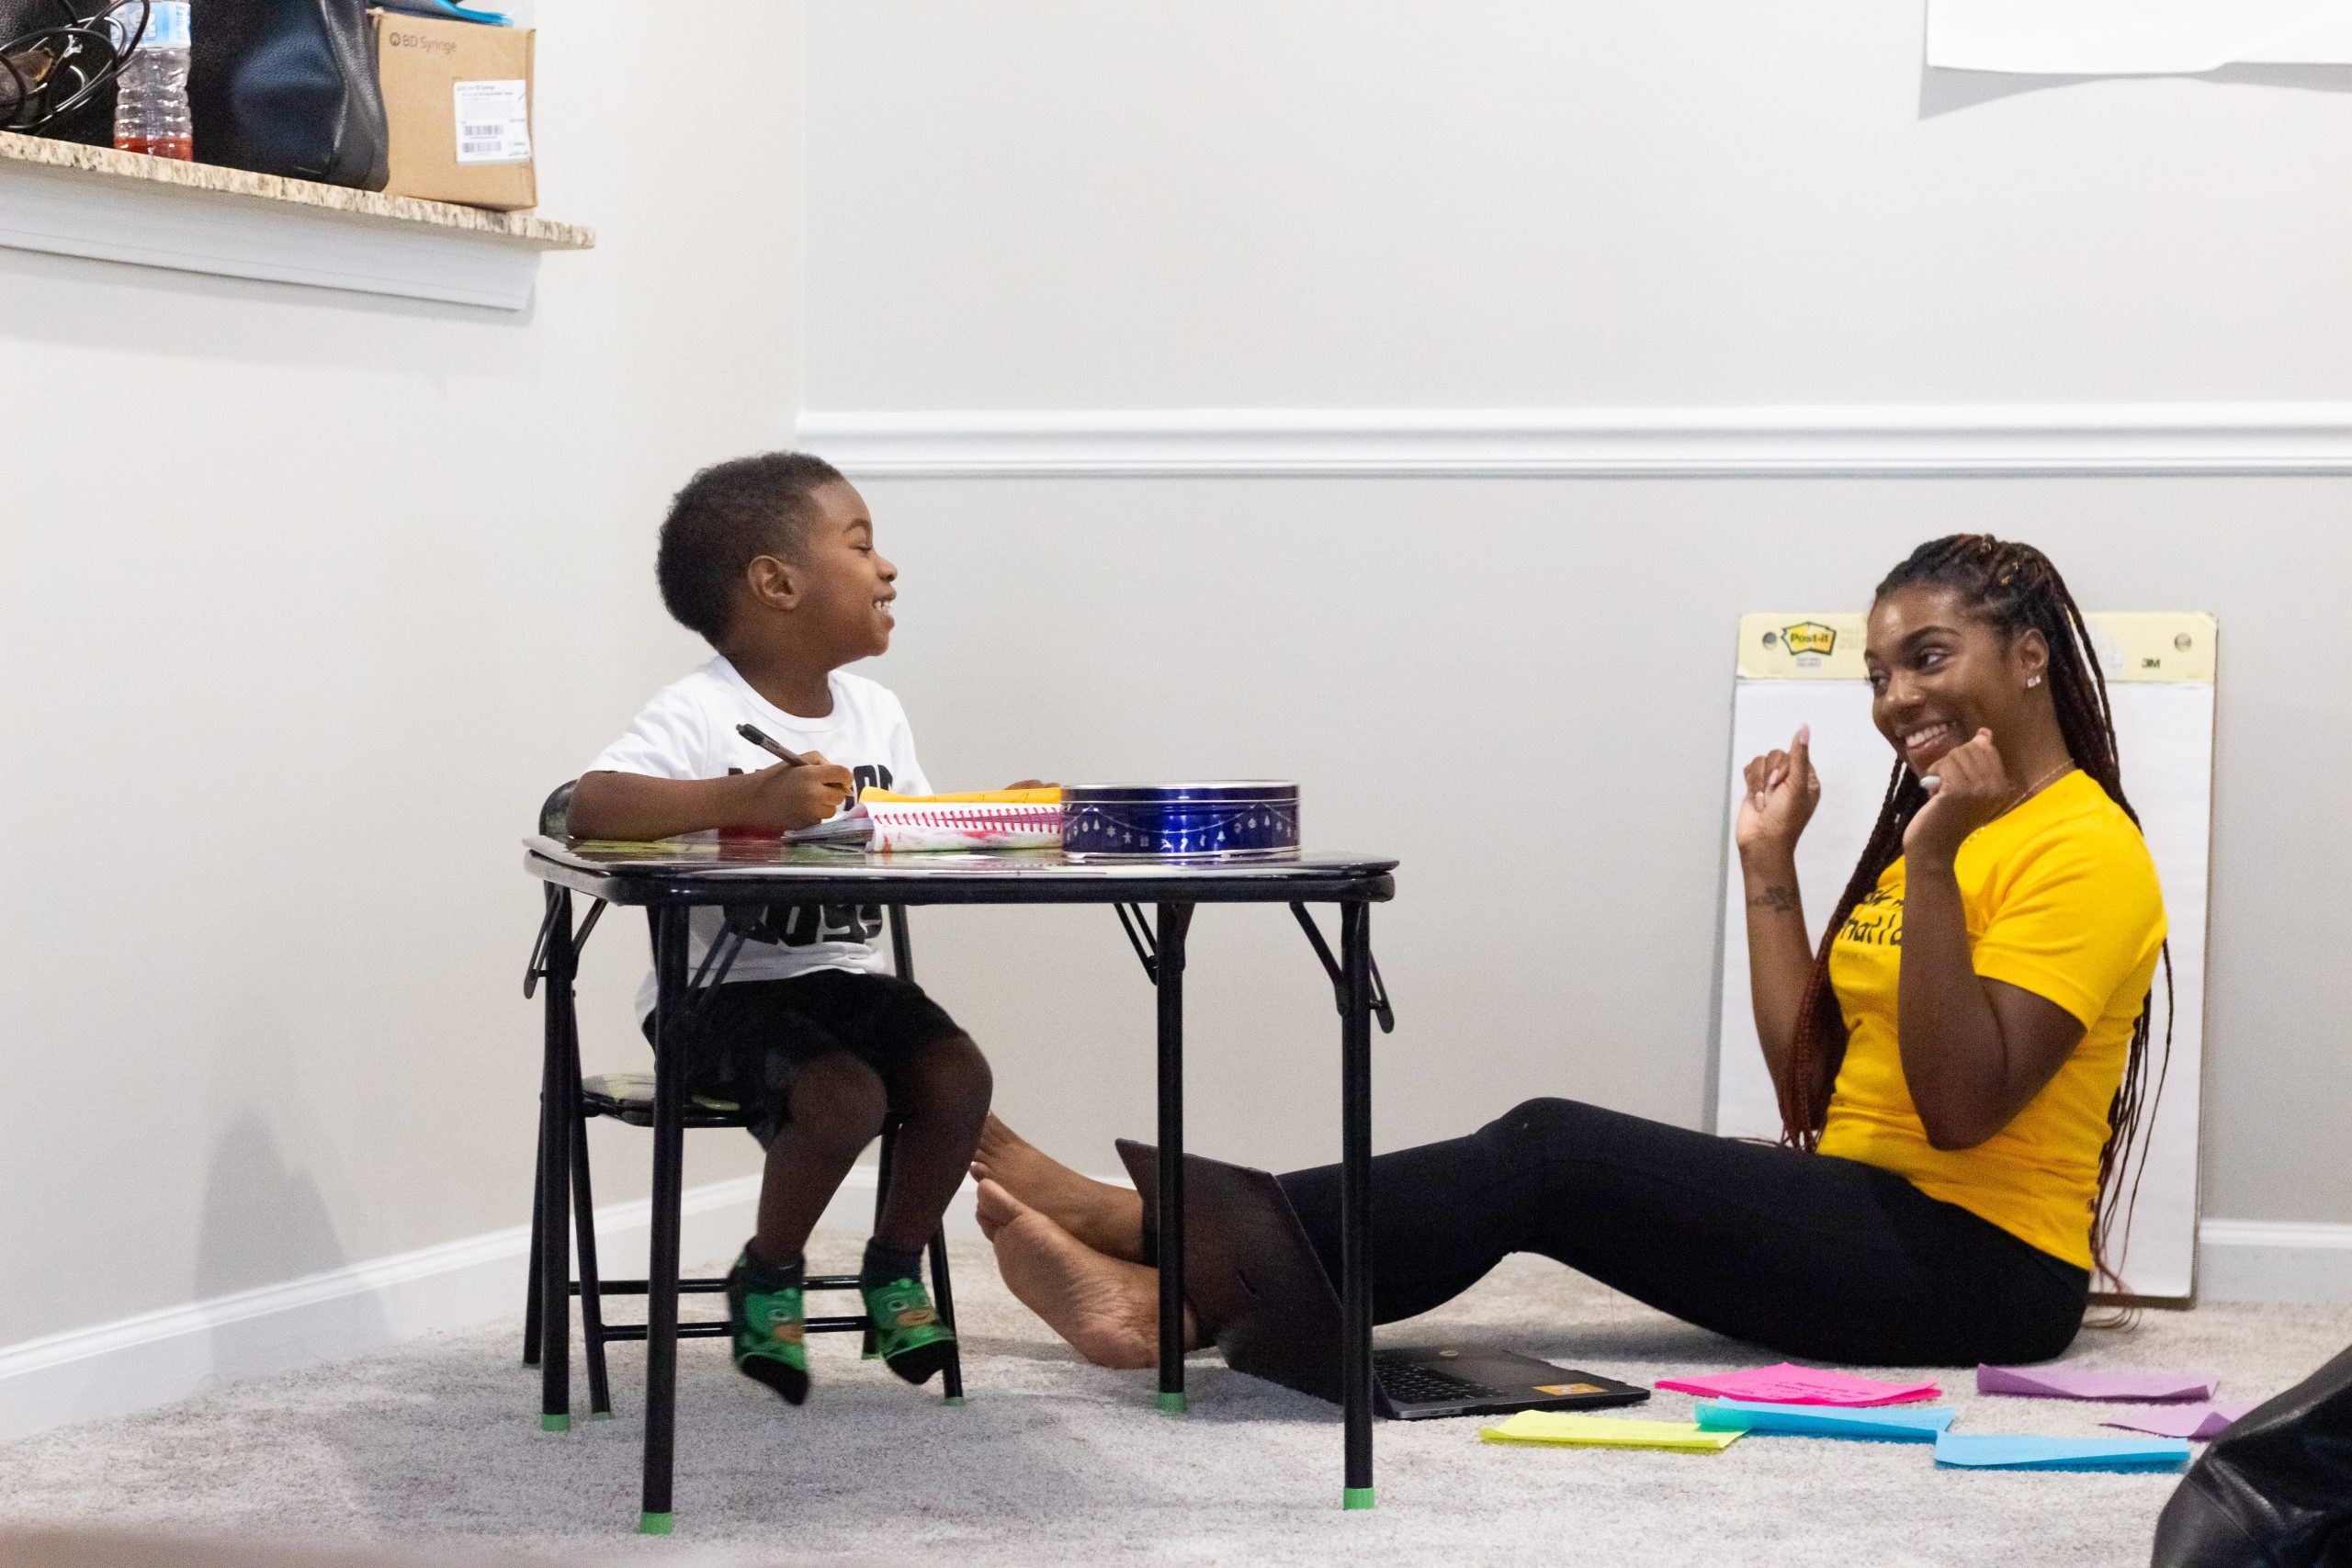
2036, 787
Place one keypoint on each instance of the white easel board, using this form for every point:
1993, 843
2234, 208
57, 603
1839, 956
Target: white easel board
1807, 668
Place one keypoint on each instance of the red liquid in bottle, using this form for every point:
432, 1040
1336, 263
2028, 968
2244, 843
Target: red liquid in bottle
180, 147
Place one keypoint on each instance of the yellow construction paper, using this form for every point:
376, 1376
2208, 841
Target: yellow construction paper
1570, 1429
973, 797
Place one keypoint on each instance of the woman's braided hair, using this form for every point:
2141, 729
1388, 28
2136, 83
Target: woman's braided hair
2014, 588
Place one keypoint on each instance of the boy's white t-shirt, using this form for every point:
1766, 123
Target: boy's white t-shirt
687, 731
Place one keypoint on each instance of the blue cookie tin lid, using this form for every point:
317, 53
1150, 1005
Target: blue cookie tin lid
1237, 791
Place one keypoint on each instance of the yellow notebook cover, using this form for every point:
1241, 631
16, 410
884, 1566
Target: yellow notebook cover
1570, 1429
971, 797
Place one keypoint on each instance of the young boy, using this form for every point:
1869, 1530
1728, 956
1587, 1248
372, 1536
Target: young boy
772, 559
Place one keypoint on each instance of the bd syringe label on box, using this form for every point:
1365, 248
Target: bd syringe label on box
493, 121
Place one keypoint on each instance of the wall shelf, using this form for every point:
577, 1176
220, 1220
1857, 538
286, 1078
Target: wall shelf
70, 199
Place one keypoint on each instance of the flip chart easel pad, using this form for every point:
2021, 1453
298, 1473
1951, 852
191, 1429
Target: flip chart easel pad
2164, 735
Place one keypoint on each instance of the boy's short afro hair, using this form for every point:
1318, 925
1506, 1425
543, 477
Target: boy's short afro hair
728, 514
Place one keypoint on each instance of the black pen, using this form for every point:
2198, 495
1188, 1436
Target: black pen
757, 737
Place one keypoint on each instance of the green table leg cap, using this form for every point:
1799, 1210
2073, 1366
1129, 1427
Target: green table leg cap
600, 1415
529, 1361
1171, 1404
554, 1422
956, 1401
1353, 1498
655, 1524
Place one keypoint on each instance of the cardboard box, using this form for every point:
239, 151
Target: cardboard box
458, 104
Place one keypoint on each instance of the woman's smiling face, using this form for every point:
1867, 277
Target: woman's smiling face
1938, 674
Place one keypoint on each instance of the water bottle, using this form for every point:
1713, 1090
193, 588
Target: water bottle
151, 96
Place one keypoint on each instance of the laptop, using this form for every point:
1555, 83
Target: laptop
1253, 1279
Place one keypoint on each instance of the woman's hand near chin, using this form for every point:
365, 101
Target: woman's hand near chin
1967, 787
1782, 790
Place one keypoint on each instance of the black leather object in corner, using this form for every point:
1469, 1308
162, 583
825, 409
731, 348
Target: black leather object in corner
288, 88
2275, 1491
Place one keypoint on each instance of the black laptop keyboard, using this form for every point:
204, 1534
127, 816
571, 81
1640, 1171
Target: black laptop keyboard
1409, 1384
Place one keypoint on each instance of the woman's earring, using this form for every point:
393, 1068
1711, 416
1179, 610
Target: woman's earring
2032, 681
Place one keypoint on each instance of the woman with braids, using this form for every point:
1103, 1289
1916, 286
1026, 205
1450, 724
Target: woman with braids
1960, 1058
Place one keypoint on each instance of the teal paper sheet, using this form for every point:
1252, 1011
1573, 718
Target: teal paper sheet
1991, 1452
1885, 1424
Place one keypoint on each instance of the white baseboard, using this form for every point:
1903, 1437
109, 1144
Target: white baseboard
2273, 1260
1760, 440
158, 1357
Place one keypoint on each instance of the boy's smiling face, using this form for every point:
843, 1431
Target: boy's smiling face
849, 585
835, 590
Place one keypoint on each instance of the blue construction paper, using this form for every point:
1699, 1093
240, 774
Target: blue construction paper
1885, 1424
1991, 1452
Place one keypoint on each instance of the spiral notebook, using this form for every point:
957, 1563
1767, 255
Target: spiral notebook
986, 819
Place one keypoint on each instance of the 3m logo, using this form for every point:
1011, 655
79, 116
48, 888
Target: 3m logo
1809, 637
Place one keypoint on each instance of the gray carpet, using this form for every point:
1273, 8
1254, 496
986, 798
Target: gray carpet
436, 1444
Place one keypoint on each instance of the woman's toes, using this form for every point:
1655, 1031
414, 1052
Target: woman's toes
1107, 1309
995, 1207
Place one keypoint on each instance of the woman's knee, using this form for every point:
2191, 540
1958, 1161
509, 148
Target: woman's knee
1544, 1122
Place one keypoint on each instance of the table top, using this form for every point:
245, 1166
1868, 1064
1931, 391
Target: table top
700, 869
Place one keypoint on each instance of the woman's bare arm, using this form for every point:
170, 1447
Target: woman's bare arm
1974, 1050
1782, 790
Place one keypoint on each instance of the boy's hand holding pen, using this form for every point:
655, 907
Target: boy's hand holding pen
798, 792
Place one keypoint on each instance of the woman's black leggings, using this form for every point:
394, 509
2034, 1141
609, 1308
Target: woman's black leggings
1808, 1255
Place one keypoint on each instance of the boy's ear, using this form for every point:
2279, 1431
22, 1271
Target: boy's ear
774, 581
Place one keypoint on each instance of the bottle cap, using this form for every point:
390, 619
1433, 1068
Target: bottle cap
167, 23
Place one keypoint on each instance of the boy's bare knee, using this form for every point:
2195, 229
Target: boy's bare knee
839, 1099
952, 1078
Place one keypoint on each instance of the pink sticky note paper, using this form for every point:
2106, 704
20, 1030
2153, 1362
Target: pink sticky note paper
2079, 1382
2202, 1422
1788, 1384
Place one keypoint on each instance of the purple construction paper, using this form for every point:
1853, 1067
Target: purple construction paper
2202, 1422
2081, 1382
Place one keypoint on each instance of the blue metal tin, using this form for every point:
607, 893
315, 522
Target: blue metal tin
1235, 819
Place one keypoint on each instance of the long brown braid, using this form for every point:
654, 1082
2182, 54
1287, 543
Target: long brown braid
2015, 588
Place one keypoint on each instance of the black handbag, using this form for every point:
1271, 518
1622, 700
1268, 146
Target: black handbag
288, 88
2275, 1491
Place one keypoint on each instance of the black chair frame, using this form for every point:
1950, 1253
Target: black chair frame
598, 1097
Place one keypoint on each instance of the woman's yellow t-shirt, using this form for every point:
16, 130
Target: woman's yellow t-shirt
2061, 900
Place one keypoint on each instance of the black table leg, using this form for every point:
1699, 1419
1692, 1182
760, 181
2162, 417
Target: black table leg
556, 1099
531, 1324
1169, 973
1355, 1200
661, 1264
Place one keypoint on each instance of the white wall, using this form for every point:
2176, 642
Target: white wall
1522, 689
1383, 203
1052, 206
307, 598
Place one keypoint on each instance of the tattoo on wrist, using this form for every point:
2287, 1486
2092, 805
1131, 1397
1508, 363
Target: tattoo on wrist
1779, 899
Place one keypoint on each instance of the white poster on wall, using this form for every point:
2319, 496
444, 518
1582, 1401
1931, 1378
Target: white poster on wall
2160, 669
2135, 37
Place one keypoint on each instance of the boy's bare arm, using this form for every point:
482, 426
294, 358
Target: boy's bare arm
636, 808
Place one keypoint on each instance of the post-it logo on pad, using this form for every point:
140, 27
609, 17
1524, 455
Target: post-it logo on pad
1809, 637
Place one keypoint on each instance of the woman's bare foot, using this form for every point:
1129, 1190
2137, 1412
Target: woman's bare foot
1107, 1309
1106, 1218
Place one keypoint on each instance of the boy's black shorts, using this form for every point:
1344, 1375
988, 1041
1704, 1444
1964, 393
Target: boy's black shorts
751, 1037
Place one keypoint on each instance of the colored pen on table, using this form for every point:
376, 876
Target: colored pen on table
758, 737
